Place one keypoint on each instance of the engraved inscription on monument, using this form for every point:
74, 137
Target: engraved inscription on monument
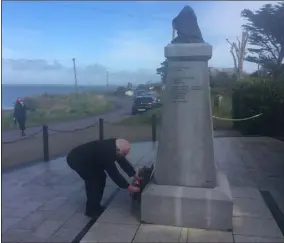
179, 69
179, 93
180, 89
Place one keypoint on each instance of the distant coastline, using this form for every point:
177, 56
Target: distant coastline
10, 92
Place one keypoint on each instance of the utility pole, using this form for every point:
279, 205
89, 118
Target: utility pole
107, 78
75, 75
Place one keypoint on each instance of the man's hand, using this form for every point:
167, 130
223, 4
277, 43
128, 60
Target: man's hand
133, 188
137, 178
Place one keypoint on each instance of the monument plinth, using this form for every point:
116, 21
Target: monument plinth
185, 152
187, 190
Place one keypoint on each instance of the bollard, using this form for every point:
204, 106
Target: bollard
101, 128
154, 125
45, 143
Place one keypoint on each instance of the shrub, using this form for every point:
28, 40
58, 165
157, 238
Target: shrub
31, 103
258, 95
120, 91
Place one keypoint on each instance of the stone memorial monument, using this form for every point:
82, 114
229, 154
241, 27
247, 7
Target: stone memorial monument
187, 190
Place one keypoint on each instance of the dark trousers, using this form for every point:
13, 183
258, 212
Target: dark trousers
22, 123
94, 190
95, 181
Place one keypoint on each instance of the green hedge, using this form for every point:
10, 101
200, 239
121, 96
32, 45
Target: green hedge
253, 96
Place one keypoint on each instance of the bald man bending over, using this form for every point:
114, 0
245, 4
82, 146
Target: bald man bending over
92, 160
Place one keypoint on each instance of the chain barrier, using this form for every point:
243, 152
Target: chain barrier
107, 122
237, 119
30, 136
74, 130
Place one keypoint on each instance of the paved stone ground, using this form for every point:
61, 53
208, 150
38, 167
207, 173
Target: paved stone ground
45, 202
251, 164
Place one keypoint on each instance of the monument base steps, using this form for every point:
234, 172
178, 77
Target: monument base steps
191, 207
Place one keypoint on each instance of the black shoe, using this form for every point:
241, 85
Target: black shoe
94, 213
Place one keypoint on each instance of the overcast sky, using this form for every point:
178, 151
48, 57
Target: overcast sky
127, 39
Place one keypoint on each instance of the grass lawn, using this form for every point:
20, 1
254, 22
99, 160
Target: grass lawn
52, 108
223, 111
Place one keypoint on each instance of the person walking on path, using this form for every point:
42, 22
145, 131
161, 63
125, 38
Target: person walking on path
91, 161
20, 115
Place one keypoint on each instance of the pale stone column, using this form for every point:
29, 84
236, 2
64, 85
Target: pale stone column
186, 153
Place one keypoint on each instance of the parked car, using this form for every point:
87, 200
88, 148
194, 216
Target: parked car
144, 103
139, 92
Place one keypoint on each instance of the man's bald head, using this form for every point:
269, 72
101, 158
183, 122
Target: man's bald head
122, 147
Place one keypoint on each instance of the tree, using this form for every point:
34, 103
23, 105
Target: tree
129, 86
157, 87
222, 80
238, 51
162, 71
265, 27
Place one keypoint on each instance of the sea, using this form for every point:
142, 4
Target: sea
10, 92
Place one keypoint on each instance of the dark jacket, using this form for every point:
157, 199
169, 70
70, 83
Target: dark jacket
98, 155
20, 111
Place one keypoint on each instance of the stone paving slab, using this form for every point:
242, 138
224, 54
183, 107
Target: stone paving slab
45, 202
157, 233
118, 224
252, 239
108, 232
254, 208
257, 227
118, 215
253, 162
252, 220
200, 235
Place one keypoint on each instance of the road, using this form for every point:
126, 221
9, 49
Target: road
123, 109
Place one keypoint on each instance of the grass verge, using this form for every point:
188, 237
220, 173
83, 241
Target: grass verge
223, 110
47, 108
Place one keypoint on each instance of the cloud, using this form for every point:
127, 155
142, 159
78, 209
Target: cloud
131, 55
25, 71
224, 18
224, 21
8, 53
137, 49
